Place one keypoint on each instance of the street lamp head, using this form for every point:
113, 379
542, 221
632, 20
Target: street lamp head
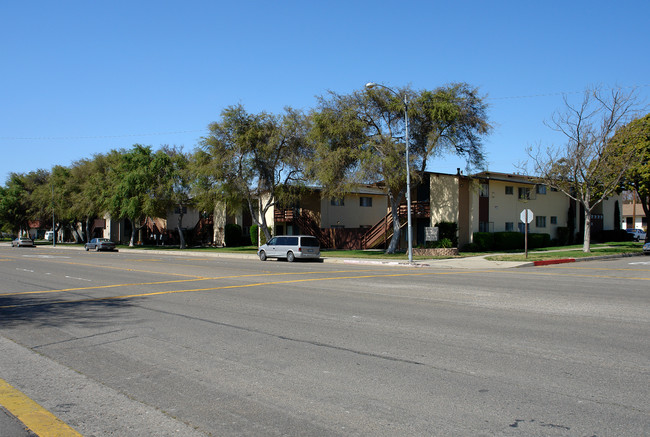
371, 85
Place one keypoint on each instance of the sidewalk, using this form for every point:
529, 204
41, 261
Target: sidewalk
473, 262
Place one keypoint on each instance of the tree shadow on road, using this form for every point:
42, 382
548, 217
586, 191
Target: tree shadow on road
44, 312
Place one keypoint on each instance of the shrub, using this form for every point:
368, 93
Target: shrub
443, 243
538, 240
484, 241
232, 235
563, 235
448, 230
471, 247
617, 235
253, 234
508, 240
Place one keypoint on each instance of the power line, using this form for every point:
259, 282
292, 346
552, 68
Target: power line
527, 96
563, 93
102, 136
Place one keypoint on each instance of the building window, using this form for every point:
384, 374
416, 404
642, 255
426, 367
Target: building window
177, 210
510, 190
540, 221
337, 202
484, 226
540, 189
524, 193
553, 189
553, 220
510, 226
484, 190
365, 201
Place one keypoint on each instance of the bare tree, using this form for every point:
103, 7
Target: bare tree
586, 169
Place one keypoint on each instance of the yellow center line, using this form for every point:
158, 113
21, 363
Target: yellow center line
72, 263
35, 417
98, 287
226, 287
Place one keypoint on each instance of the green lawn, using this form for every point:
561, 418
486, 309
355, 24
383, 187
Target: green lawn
545, 253
575, 251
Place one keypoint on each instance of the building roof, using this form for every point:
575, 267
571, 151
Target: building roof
628, 211
506, 177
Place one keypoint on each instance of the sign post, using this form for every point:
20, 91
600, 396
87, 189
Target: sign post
526, 216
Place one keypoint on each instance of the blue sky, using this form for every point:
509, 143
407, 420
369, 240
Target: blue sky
80, 77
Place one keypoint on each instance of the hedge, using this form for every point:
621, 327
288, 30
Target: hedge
232, 235
497, 241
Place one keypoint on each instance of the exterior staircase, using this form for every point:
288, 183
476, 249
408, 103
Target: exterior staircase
383, 230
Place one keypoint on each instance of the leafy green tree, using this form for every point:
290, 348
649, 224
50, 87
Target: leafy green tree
136, 185
21, 202
361, 137
255, 158
586, 168
180, 186
635, 138
55, 199
14, 204
88, 179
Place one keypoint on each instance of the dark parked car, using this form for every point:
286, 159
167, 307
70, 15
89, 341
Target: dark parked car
98, 244
22, 242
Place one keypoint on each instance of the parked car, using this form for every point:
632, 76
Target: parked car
636, 234
646, 249
98, 244
49, 236
22, 242
290, 247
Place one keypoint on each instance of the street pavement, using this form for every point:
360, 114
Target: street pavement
12, 427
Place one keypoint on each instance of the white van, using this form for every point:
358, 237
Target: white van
290, 247
49, 235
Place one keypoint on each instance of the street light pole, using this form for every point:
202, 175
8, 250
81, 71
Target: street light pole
53, 221
409, 234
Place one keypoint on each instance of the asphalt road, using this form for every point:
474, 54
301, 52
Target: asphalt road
137, 344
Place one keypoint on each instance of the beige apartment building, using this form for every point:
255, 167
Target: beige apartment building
493, 202
483, 202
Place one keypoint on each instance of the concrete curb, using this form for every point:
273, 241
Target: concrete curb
477, 262
587, 258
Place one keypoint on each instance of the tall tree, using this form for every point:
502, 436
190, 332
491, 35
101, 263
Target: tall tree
135, 185
257, 158
89, 180
56, 198
15, 204
361, 137
635, 138
180, 186
586, 169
